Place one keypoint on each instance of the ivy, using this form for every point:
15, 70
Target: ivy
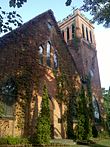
61, 88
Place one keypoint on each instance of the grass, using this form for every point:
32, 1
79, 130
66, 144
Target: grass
98, 143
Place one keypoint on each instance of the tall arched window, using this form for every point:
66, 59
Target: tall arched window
8, 97
41, 50
96, 110
83, 33
87, 37
55, 59
68, 35
48, 54
91, 36
73, 31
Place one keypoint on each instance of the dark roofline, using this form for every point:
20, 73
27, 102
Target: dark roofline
28, 22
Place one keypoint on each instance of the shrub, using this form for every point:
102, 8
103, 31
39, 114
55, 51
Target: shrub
13, 140
42, 135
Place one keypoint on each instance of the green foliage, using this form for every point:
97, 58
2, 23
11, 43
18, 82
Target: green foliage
7, 19
17, 3
68, 2
100, 10
71, 115
61, 88
106, 96
13, 140
1, 109
103, 135
42, 135
84, 130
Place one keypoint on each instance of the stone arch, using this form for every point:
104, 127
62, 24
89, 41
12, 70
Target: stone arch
56, 119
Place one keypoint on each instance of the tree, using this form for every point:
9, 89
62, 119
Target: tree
84, 127
106, 96
99, 9
9, 18
43, 125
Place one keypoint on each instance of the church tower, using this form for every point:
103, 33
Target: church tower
78, 33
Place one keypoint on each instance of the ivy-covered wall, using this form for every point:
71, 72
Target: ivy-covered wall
19, 60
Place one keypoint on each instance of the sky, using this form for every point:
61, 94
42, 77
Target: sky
35, 7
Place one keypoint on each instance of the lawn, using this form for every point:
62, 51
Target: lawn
98, 143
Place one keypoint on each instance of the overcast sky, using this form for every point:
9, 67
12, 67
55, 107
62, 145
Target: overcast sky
33, 8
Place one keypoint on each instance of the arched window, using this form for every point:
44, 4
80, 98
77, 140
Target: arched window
87, 37
41, 51
48, 54
68, 35
73, 31
8, 97
55, 59
91, 36
96, 110
83, 33
49, 25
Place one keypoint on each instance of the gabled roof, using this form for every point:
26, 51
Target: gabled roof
18, 31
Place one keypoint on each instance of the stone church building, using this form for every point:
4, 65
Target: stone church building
40, 52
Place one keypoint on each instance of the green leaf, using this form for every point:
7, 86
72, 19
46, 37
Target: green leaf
68, 2
18, 15
3, 12
12, 3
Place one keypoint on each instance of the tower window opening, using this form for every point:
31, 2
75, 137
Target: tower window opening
73, 31
87, 37
91, 36
63, 34
83, 34
68, 35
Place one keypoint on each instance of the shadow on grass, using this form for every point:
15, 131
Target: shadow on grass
98, 145
94, 144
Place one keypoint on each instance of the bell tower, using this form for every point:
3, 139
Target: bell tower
78, 33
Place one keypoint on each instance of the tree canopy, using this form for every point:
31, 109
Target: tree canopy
99, 9
106, 96
7, 19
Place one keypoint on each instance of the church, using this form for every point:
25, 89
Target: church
58, 54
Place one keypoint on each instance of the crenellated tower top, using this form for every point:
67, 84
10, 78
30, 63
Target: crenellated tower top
77, 25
